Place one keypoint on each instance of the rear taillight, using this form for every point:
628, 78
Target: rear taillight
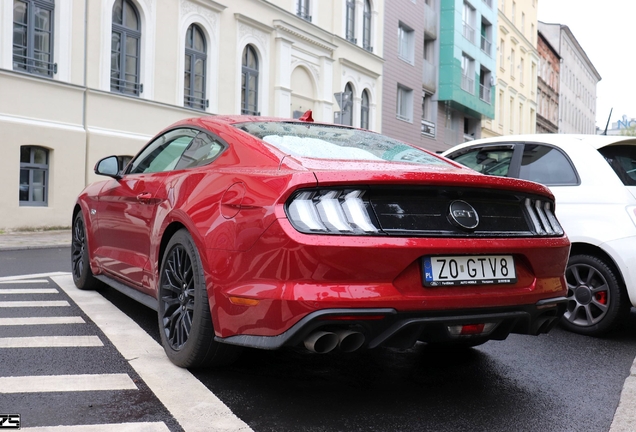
543, 219
330, 211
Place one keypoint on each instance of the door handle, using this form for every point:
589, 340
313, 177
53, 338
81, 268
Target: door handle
144, 197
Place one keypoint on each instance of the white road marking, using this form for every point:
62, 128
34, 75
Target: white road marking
37, 303
65, 383
167, 381
28, 291
50, 342
118, 427
29, 281
30, 277
41, 320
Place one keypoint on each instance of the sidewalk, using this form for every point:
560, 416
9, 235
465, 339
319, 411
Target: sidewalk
17, 240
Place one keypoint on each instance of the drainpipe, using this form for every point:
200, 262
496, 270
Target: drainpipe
85, 93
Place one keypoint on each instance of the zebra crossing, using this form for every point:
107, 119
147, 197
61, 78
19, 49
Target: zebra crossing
72, 361
60, 373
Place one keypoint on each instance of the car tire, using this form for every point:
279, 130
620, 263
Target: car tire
596, 301
82, 275
185, 322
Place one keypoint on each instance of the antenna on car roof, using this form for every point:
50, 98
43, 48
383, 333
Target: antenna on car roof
608, 120
307, 117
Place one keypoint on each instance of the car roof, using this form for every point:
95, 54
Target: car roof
563, 141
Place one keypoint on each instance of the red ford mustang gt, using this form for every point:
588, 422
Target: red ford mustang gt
270, 233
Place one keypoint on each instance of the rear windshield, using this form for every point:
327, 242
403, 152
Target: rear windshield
336, 143
622, 159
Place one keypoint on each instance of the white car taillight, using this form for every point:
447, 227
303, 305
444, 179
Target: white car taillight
330, 212
543, 219
303, 212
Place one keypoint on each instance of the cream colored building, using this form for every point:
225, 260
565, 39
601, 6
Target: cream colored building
84, 79
517, 60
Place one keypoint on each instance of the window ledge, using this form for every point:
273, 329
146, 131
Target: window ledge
405, 60
404, 119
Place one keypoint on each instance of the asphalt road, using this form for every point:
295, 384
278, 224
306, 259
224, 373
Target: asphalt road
555, 382
32, 261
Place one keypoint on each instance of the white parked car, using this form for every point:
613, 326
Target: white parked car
593, 178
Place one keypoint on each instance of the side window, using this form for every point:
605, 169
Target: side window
546, 165
202, 150
164, 153
622, 159
489, 160
34, 176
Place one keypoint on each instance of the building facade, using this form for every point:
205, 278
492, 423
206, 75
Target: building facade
80, 80
517, 62
578, 79
547, 87
410, 82
439, 70
466, 68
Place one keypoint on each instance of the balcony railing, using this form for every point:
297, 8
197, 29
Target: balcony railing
430, 21
428, 128
469, 32
486, 46
484, 93
429, 77
468, 84
303, 12
34, 65
195, 102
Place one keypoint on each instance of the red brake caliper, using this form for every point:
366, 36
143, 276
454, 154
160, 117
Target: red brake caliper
601, 297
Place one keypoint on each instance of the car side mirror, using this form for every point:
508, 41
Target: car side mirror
108, 166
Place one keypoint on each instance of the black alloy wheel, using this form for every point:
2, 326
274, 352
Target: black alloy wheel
178, 297
185, 322
596, 301
82, 274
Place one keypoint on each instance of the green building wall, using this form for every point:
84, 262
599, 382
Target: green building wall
453, 44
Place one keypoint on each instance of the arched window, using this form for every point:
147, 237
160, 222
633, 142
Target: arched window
33, 36
366, 27
347, 106
125, 47
34, 176
249, 82
195, 59
351, 21
364, 110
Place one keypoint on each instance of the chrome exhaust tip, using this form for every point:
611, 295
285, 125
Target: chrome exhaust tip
349, 340
321, 342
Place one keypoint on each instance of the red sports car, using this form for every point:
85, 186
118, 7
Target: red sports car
268, 233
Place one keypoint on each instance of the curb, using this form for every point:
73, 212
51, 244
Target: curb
625, 415
29, 247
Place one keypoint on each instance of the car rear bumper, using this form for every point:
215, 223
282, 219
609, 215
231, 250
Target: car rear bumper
287, 276
388, 327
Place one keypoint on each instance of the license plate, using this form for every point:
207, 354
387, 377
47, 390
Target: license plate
469, 270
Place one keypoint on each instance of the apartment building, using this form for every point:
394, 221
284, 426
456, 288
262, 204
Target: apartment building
517, 62
578, 79
84, 79
466, 69
547, 86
